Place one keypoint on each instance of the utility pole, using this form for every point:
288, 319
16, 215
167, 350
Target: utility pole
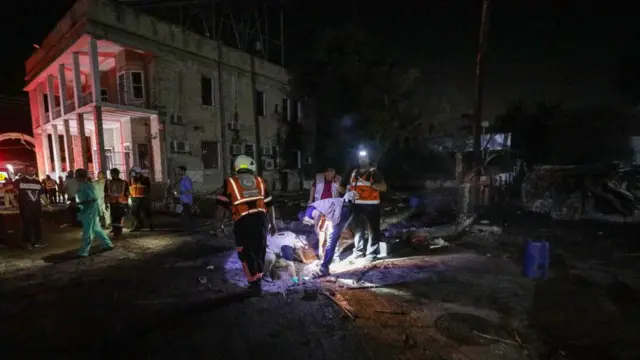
477, 115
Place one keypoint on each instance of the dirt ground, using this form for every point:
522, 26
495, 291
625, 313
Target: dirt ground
165, 295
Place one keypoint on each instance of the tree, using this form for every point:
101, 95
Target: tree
363, 92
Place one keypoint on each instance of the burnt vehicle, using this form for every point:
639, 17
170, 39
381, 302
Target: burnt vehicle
607, 192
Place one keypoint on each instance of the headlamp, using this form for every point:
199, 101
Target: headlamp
362, 153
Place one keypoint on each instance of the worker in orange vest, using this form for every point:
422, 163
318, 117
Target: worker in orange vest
246, 195
140, 191
116, 194
50, 187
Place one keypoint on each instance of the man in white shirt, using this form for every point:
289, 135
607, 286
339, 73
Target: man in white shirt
283, 245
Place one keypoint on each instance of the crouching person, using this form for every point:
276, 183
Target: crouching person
283, 246
89, 215
330, 217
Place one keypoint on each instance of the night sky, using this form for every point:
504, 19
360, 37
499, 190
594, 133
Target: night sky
544, 49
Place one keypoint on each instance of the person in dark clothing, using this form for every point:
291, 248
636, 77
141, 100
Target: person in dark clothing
185, 191
367, 183
140, 190
246, 195
30, 197
51, 189
116, 195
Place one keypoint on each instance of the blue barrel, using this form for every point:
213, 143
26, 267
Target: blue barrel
536, 259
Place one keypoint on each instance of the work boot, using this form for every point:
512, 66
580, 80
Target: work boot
255, 288
369, 259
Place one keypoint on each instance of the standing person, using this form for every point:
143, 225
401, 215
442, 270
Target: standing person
185, 191
51, 187
99, 186
30, 197
116, 191
61, 192
71, 188
366, 182
9, 194
89, 213
246, 194
326, 185
140, 190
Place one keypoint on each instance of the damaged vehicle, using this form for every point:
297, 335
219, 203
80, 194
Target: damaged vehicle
608, 192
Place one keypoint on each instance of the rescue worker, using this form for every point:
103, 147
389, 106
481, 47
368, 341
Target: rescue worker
116, 193
329, 217
30, 197
366, 182
326, 185
140, 191
246, 195
9, 194
283, 246
50, 188
99, 185
89, 214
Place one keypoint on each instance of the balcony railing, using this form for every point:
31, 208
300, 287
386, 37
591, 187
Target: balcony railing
57, 112
46, 118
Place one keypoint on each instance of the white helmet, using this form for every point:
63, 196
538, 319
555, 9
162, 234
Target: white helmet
244, 162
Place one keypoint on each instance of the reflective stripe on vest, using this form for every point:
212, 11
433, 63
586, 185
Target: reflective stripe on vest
247, 195
366, 193
115, 191
320, 183
136, 189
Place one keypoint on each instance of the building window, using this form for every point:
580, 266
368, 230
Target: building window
206, 90
210, 155
261, 104
137, 85
143, 156
45, 100
104, 95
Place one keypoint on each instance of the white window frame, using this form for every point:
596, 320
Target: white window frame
213, 90
131, 85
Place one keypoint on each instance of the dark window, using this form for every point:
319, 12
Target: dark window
206, 86
250, 151
87, 141
45, 100
104, 95
285, 109
63, 149
260, 103
143, 156
210, 155
294, 111
137, 86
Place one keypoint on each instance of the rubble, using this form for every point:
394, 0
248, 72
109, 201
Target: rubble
604, 192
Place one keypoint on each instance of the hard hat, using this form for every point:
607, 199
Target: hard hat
244, 162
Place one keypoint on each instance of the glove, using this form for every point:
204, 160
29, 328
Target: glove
295, 280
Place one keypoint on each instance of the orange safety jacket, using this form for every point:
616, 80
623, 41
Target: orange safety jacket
49, 184
137, 189
116, 191
247, 195
363, 187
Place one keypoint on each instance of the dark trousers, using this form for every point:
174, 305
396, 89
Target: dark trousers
118, 212
52, 195
334, 237
366, 217
61, 196
31, 217
188, 222
141, 211
250, 233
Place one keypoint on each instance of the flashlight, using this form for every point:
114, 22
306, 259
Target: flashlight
362, 153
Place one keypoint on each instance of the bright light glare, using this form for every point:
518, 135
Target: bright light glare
362, 153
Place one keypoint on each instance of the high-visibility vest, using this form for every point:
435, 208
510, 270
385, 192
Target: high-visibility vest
49, 184
247, 195
115, 191
362, 185
320, 183
137, 189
